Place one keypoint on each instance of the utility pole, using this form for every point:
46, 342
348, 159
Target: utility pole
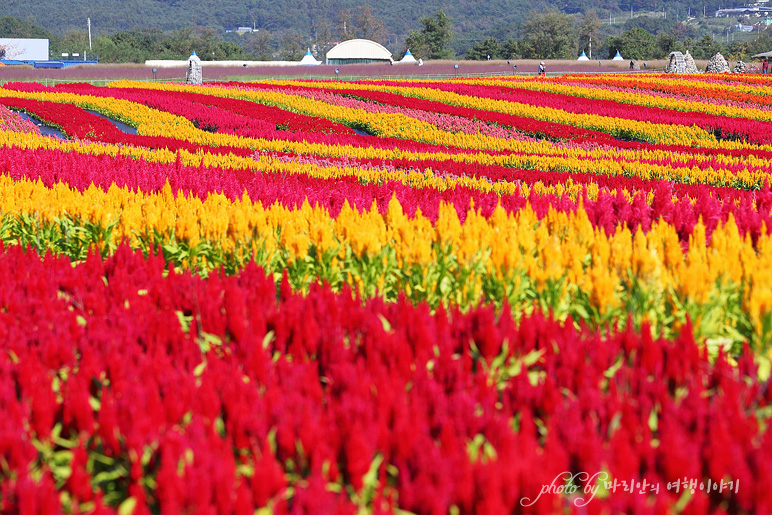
590, 47
89, 34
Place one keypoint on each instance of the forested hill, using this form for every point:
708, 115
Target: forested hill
472, 19
398, 16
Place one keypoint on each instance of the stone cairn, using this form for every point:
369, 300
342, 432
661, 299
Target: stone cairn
677, 63
194, 75
740, 67
689, 65
717, 64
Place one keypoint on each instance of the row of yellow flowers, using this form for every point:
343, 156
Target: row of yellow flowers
558, 260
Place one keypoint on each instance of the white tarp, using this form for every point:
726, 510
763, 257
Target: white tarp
25, 49
159, 63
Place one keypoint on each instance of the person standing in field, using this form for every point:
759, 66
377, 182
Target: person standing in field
765, 66
542, 70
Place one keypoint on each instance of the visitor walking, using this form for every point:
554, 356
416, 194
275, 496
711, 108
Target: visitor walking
542, 70
765, 66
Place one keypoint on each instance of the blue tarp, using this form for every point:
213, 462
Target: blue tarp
48, 64
60, 64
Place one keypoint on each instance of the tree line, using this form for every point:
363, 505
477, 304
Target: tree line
555, 35
546, 34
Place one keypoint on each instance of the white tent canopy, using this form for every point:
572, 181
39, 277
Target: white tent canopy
583, 57
764, 54
408, 58
618, 57
308, 59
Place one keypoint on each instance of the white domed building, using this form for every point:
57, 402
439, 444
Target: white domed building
358, 51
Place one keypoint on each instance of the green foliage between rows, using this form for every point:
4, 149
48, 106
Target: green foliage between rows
720, 322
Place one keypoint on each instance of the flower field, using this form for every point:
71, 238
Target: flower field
474, 296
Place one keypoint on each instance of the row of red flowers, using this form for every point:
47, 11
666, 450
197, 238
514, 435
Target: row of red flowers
120, 381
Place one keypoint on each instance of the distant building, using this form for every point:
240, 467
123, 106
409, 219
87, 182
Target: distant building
358, 51
744, 11
240, 30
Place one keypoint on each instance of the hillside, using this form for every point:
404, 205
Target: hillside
473, 20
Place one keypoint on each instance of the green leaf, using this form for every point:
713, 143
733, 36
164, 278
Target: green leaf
185, 320
127, 506
653, 421
765, 367
267, 339
207, 341
385, 322
199, 369
370, 479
